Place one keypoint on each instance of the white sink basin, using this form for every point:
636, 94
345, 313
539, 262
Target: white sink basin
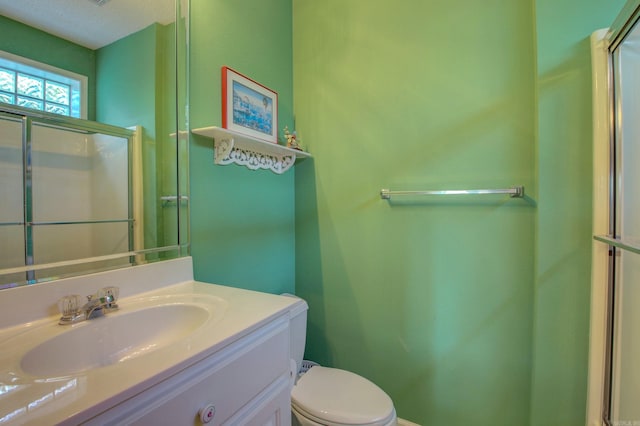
116, 337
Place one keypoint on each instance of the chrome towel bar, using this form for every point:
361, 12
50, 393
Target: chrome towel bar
514, 192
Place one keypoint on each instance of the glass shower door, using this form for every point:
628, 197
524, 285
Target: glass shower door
65, 197
79, 198
12, 246
625, 229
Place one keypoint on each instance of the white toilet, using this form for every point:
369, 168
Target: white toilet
329, 396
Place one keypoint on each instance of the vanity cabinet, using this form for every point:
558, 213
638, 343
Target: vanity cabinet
247, 383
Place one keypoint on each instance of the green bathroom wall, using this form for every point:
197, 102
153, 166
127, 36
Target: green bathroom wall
23, 40
126, 70
430, 298
242, 221
564, 171
465, 310
130, 77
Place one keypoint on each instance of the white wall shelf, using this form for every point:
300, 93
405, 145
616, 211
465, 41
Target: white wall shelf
232, 147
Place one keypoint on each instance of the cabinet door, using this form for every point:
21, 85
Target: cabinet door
271, 408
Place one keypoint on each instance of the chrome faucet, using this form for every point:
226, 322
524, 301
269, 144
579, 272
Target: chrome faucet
97, 305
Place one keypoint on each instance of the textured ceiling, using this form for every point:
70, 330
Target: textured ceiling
90, 23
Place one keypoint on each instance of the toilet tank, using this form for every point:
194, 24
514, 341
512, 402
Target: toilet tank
298, 330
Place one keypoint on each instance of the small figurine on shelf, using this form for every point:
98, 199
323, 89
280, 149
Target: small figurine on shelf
292, 139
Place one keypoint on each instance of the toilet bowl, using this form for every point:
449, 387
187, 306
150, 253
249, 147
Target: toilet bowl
329, 396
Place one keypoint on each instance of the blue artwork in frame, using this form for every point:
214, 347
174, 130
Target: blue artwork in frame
249, 107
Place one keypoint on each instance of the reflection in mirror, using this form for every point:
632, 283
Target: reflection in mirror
93, 175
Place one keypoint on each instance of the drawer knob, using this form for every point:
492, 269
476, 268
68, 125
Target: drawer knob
207, 412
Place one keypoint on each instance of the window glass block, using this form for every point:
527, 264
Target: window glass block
30, 103
7, 98
56, 109
57, 92
30, 86
38, 88
7, 80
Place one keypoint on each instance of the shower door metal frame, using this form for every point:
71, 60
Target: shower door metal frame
621, 27
28, 118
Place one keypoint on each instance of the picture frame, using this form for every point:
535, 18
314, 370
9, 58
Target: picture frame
248, 107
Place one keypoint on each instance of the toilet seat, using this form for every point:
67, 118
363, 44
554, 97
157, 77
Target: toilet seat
310, 420
334, 397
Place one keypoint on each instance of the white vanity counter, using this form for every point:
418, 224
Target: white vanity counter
209, 327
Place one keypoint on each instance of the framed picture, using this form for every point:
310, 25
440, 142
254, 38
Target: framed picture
248, 107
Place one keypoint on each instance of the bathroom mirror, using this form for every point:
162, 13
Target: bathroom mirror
93, 165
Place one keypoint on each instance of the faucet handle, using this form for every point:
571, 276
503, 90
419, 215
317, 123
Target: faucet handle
108, 296
69, 306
